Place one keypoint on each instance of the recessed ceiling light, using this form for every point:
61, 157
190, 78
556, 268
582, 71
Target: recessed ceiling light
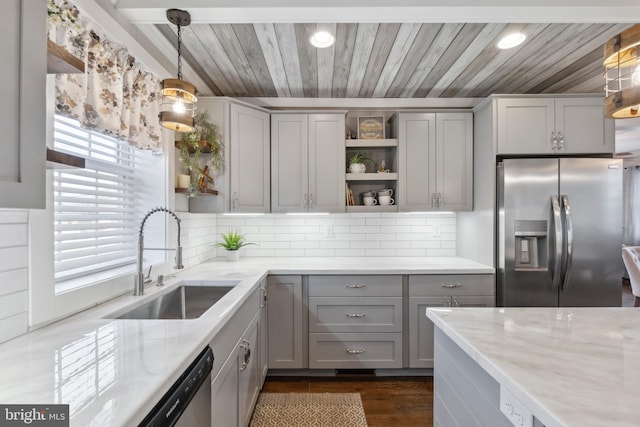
511, 40
321, 39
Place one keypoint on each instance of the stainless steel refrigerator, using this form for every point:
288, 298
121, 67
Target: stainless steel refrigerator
559, 232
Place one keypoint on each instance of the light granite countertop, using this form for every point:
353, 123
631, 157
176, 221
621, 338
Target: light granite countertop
568, 366
112, 372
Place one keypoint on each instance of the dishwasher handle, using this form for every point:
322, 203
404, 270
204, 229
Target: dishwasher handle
175, 401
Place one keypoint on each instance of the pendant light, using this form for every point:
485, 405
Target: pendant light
622, 74
179, 99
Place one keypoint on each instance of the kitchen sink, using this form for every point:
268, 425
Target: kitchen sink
188, 301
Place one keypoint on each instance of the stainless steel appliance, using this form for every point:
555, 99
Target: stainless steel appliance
188, 401
559, 232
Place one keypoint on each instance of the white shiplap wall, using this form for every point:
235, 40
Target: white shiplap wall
356, 234
14, 274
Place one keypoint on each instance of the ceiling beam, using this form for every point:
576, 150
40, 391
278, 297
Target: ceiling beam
337, 11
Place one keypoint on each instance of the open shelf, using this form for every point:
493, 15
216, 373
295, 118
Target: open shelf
59, 160
371, 176
376, 208
60, 61
366, 143
207, 192
205, 147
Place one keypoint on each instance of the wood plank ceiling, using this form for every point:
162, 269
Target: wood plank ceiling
394, 60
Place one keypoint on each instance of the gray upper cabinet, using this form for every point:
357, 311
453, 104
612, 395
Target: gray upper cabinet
435, 161
565, 125
307, 155
249, 159
23, 112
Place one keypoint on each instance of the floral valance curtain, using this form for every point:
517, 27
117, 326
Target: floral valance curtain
115, 95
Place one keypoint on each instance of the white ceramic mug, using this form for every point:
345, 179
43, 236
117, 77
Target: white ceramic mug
385, 200
370, 201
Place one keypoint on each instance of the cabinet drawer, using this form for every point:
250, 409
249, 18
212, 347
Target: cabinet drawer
355, 314
355, 351
371, 286
451, 284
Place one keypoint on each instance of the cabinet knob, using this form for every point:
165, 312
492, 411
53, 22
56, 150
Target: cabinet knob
356, 315
357, 286
359, 351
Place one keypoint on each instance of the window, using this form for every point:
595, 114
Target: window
97, 209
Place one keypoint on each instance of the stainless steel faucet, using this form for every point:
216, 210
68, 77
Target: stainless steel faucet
138, 288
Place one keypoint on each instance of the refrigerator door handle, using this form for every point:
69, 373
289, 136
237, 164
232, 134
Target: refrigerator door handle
555, 251
568, 239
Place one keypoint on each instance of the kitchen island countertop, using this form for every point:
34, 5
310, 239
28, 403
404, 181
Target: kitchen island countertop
112, 371
568, 366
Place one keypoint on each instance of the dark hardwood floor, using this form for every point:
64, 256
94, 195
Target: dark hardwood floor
387, 401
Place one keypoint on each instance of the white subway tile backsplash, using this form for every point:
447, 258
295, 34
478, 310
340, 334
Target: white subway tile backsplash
349, 234
318, 252
349, 252
380, 252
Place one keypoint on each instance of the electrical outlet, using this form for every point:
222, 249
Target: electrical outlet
327, 232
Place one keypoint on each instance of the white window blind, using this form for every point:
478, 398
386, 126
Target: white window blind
96, 212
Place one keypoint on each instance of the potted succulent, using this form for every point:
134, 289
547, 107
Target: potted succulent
205, 138
232, 242
356, 163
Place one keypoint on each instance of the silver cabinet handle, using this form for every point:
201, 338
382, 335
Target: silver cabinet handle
310, 201
439, 200
263, 302
560, 141
356, 314
361, 285
434, 202
555, 244
568, 239
305, 203
447, 303
235, 201
451, 285
246, 356
455, 303
554, 142
360, 351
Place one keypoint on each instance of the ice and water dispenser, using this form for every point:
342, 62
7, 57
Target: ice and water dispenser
530, 245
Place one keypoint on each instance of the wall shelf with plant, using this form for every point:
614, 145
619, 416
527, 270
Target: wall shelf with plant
201, 156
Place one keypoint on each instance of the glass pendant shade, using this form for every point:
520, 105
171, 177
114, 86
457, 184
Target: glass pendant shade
178, 105
622, 74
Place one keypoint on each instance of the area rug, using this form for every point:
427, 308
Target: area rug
309, 409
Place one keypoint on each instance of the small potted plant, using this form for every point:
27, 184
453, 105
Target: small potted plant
232, 242
356, 163
205, 138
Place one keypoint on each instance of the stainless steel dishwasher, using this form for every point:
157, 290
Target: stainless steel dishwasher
188, 401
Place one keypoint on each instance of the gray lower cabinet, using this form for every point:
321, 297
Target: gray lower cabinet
473, 290
355, 322
435, 167
307, 162
285, 309
23, 71
237, 371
